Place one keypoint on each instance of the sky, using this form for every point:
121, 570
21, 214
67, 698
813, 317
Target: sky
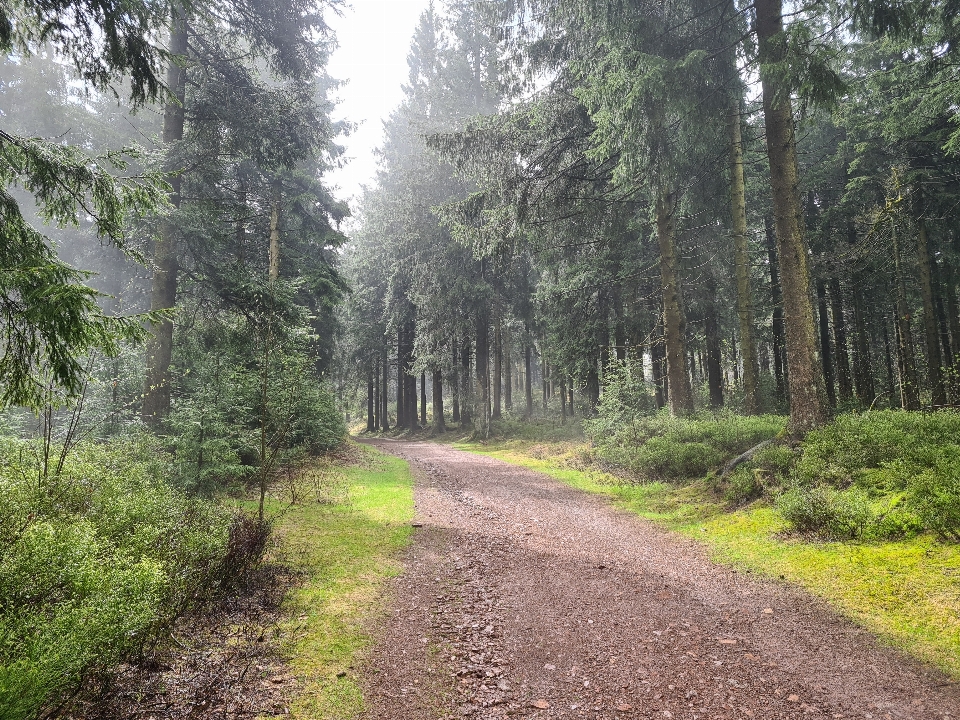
374, 37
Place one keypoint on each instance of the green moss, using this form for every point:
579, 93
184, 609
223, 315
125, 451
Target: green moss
345, 553
907, 592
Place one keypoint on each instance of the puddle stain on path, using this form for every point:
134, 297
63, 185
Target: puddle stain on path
523, 597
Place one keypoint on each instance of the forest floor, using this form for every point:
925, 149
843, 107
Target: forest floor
524, 597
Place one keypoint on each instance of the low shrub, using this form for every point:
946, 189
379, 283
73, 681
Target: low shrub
95, 561
839, 514
665, 447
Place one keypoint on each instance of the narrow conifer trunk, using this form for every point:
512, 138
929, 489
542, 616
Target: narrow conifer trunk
891, 391
370, 424
776, 295
455, 384
826, 354
508, 378
497, 371
527, 381
385, 389
741, 255
377, 402
275, 207
482, 421
808, 407
714, 353
674, 323
658, 362
465, 416
401, 382
423, 398
906, 361
159, 351
563, 402
862, 370
439, 426
844, 381
930, 332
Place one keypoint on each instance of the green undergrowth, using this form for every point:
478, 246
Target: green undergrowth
906, 591
344, 546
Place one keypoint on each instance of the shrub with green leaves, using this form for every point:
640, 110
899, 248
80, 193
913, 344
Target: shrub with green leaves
665, 447
93, 562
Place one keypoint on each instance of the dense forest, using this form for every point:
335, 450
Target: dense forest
703, 232
573, 192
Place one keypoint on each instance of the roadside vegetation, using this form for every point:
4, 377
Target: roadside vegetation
860, 513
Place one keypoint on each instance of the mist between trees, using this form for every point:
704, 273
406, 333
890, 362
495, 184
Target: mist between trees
751, 207
583, 208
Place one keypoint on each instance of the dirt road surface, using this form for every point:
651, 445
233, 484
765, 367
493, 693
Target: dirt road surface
525, 598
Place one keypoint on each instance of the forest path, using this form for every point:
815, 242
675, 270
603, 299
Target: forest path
523, 597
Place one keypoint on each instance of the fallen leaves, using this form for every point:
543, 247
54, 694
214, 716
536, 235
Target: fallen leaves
542, 704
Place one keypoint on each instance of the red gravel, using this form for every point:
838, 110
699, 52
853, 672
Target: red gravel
523, 597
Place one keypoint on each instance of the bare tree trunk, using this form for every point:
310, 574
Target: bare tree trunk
862, 370
370, 425
808, 407
776, 295
385, 389
465, 417
401, 382
658, 361
455, 384
826, 354
741, 255
712, 329
482, 422
159, 352
508, 379
931, 335
844, 381
423, 398
527, 381
891, 393
674, 323
438, 423
497, 371
377, 401
906, 361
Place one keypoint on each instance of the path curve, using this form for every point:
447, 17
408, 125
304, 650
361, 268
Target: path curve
522, 597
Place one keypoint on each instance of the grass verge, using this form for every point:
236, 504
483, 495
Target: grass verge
344, 552
906, 592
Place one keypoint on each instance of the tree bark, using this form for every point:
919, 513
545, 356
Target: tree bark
674, 323
508, 379
439, 426
497, 372
658, 361
844, 381
482, 422
385, 389
862, 370
906, 361
714, 353
465, 417
275, 231
527, 381
455, 384
741, 255
423, 398
401, 382
776, 295
930, 331
826, 353
370, 425
808, 407
159, 351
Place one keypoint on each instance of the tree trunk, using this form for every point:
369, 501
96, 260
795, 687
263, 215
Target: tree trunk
527, 382
497, 371
377, 402
906, 362
465, 417
826, 354
844, 381
931, 335
370, 425
862, 371
159, 351
891, 392
482, 422
808, 407
423, 398
741, 255
508, 379
401, 382
779, 337
385, 389
563, 402
712, 329
658, 361
674, 323
455, 384
438, 424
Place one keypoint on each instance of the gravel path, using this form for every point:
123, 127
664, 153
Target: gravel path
525, 598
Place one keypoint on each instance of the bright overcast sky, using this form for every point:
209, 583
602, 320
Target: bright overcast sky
374, 37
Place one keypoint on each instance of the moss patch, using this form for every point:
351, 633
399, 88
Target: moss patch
345, 552
907, 592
